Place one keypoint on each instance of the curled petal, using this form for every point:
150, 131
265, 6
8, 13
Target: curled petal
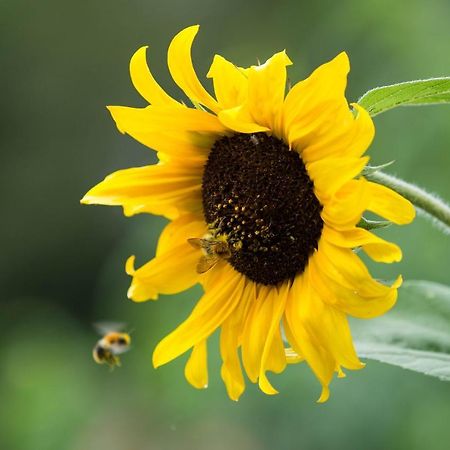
144, 82
180, 65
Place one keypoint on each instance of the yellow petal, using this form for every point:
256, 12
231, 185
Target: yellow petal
378, 249
166, 118
259, 336
324, 395
318, 95
350, 136
231, 371
273, 356
239, 119
182, 132
343, 280
302, 341
321, 123
196, 369
293, 354
390, 205
254, 334
345, 208
322, 333
161, 189
180, 65
348, 300
292, 357
178, 231
211, 278
157, 276
177, 257
266, 88
144, 82
330, 174
230, 83
348, 269
361, 134
330, 328
210, 312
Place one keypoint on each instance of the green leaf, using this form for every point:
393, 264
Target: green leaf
414, 335
420, 92
373, 224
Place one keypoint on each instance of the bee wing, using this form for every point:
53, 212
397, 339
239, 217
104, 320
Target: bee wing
214, 244
103, 328
207, 262
117, 349
197, 243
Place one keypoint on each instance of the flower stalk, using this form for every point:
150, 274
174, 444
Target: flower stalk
433, 207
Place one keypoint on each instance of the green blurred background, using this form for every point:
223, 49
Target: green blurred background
62, 264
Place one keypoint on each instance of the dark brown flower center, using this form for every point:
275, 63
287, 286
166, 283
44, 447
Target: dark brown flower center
258, 193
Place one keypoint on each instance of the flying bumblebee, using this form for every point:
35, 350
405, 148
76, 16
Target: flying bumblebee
111, 345
214, 249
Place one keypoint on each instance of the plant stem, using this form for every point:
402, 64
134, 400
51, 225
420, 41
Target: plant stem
432, 205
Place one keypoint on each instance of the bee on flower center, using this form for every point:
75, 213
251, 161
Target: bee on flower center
214, 248
255, 189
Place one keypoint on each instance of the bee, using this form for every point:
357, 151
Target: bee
111, 345
214, 249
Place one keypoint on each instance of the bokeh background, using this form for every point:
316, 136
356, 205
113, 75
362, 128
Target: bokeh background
62, 264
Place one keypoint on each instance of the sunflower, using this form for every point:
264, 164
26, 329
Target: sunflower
264, 194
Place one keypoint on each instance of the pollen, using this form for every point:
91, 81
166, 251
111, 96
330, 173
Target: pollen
257, 192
